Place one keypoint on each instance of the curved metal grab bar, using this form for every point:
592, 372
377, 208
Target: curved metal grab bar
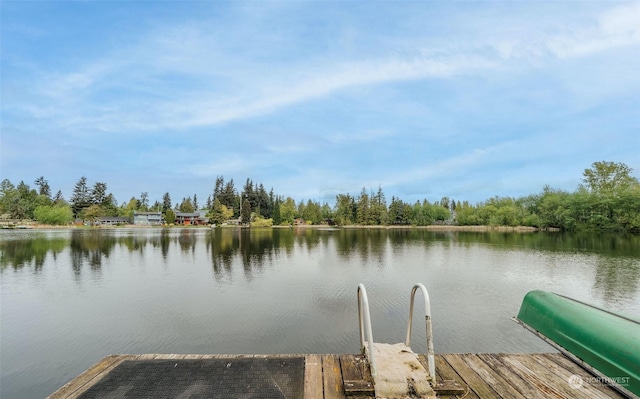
427, 317
365, 326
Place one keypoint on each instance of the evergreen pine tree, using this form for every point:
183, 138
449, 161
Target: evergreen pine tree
81, 197
43, 185
277, 218
245, 212
166, 202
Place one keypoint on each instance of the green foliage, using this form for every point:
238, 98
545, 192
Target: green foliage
166, 202
81, 197
101, 202
345, 207
43, 186
59, 199
363, 214
422, 213
170, 216
57, 215
608, 177
400, 213
608, 200
467, 215
378, 208
186, 206
327, 212
144, 202
262, 222
441, 213
245, 212
99, 193
128, 209
93, 212
312, 212
220, 213
19, 202
277, 218
8, 197
287, 211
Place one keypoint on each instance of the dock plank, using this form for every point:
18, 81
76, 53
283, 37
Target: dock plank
313, 377
84, 381
444, 371
485, 376
567, 368
504, 386
332, 377
542, 378
563, 375
508, 380
356, 377
471, 377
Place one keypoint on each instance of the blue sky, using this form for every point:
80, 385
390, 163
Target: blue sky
426, 99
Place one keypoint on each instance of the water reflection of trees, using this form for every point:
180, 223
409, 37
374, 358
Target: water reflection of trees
617, 272
89, 246
221, 244
86, 247
92, 246
161, 241
616, 278
608, 244
253, 248
187, 240
133, 243
32, 251
368, 244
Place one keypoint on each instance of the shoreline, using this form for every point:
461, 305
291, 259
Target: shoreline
442, 228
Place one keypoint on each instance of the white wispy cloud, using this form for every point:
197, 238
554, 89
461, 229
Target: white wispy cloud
424, 94
184, 76
616, 27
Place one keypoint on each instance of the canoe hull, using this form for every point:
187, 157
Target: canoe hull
607, 342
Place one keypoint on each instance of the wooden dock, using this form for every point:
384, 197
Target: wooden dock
526, 376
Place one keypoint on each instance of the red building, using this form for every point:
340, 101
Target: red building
190, 218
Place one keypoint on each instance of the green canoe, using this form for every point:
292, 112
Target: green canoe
606, 343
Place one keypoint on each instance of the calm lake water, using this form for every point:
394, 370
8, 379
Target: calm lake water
71, 297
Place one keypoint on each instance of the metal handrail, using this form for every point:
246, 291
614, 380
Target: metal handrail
427, 317
365, 326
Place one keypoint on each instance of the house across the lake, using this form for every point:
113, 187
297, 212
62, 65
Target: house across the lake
111, 221
191, 218
147, 218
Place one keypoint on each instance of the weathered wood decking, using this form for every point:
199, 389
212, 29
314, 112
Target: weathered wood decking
530, 376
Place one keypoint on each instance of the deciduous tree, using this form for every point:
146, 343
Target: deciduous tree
605, 177
220, 213
170, 216
288, 210
57, 215
186, 206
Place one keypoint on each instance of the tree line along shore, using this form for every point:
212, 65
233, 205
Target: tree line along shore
607, 200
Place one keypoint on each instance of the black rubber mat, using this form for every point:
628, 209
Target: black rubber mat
203, 378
